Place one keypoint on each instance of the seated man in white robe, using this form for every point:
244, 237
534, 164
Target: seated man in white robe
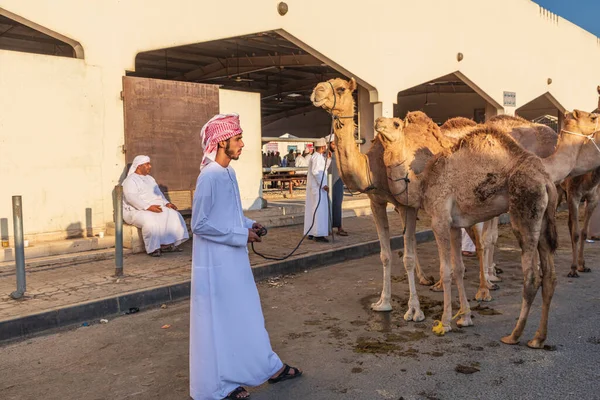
145, 206
316, 209
229, 345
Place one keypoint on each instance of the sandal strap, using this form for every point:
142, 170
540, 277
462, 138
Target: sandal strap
234, 394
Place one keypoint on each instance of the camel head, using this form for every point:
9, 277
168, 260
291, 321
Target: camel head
585, 122
390, 129
335, 96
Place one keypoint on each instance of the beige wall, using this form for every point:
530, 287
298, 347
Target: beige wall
441, 106
76, 103
249, 167
51, 142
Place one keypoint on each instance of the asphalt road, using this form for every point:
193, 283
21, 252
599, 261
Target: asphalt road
321, 322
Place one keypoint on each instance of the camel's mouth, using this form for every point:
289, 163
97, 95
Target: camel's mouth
319, 102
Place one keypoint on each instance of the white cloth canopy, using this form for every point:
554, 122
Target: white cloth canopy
166, 227
229, 345
316, 179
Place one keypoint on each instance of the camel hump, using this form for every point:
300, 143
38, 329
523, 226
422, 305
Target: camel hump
458, 123
489, 139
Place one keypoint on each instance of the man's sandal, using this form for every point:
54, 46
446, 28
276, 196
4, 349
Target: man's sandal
172, 249
285, 374
238, 393
155, 253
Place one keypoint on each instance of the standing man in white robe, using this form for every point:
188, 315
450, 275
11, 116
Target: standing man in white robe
229, 345
316, 209
163, 229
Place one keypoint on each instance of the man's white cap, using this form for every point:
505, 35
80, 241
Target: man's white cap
330, 138
320, 142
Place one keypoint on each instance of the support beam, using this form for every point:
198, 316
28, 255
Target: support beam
74, 44
286, 114
231, 65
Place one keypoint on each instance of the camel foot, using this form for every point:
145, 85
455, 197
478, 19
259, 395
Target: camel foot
492, 286
498, 271
573, 274
483, 294
465, 320
414, 314
440, 329
583, 269
510, 339
494, 278
381, 306
437, 287
426, 281
536, 343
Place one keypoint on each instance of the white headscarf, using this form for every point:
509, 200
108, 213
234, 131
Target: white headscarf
137, 161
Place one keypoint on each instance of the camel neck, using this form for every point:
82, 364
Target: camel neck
351, 163
564, 159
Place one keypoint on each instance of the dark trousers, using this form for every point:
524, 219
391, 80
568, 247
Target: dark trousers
337, 196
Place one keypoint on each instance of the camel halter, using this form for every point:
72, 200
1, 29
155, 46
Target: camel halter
590, 137
337, 123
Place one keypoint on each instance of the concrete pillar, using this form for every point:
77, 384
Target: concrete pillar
490, 111
366, 118
509, 111
561, 120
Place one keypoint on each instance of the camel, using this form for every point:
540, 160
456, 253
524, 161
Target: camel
559, 153
542, 141
486, 174
366, 173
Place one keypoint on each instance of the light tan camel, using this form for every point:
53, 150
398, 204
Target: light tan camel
366, 173
486, 174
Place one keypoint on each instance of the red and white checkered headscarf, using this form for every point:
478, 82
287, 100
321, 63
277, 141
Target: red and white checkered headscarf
220, 127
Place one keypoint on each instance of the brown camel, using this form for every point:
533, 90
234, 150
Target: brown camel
559, 153
543, 142
486, 174
366, 173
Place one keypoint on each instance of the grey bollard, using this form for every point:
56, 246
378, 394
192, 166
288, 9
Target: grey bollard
118, 230
19, 248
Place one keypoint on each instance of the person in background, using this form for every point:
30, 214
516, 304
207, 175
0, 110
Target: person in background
337, 190
291, 159
316, 210
145, 206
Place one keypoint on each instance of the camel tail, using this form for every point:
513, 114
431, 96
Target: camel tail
551, 233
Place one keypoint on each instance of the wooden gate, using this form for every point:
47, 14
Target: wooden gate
163, 121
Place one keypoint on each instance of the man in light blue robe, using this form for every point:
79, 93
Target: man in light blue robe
229, 345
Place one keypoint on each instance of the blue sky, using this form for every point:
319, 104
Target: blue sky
585, 13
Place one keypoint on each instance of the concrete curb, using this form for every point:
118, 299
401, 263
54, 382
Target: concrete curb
93, 311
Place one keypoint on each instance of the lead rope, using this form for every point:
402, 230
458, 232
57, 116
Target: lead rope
266, 257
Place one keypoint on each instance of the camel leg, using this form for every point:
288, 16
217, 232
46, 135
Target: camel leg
490, 238
548, 286
590, 206
404, 213
458, 269
442, 238
573, 203
414, 312
527, 233
383, 232
483, 293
